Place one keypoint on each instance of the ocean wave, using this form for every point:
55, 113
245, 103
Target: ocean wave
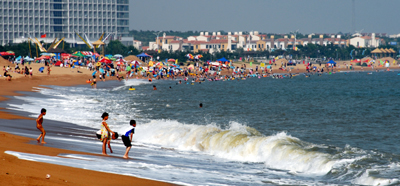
238, 143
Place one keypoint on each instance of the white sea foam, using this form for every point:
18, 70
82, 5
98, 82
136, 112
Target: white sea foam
238, 143
367, 179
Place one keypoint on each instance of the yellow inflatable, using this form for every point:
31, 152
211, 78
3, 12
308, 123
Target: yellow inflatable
132, 89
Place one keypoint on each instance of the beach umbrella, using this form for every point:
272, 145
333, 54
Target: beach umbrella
120, 60
119, 63
105, 60
118, 55
171, 60
7, 53
78, 54
109, 55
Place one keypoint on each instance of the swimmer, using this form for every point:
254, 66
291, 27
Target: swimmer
154, 87
201, 105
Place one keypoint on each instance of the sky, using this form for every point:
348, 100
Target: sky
266, 16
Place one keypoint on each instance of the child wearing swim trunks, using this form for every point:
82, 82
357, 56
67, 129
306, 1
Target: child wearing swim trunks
127, 134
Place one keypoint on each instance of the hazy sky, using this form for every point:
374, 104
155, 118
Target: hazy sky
266, 16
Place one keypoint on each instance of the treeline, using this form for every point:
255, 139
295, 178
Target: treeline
116, 47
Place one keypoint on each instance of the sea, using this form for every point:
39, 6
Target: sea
334, 129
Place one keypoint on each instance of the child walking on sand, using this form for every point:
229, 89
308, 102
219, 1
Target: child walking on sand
127, 134
105, 132
39, 122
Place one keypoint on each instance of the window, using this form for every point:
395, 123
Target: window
58, 29
57, 14
57, 21
58, 6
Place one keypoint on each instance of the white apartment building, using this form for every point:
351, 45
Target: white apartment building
366, 41
20, 19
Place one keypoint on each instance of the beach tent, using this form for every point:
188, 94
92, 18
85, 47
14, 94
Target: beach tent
223, 60
331, 62
143, 55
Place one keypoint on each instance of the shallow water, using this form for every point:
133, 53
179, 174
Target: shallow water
321, 130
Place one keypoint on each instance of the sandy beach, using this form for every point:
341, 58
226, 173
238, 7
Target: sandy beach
21, 172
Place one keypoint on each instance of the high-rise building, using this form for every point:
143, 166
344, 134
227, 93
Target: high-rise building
20, 19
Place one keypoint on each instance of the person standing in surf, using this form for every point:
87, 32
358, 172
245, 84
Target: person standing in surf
105, 132
39, 122
127, 134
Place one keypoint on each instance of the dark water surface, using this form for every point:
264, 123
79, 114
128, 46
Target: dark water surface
357, 109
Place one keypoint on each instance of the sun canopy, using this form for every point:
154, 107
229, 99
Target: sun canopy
223, 60
143, 55
331, 62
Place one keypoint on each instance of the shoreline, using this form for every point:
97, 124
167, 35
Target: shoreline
22, 172
30, 173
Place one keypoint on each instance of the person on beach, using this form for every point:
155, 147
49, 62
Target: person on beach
105, 132
127, 134
7, 75
39, 122
98, 134
48, 70
26, 71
